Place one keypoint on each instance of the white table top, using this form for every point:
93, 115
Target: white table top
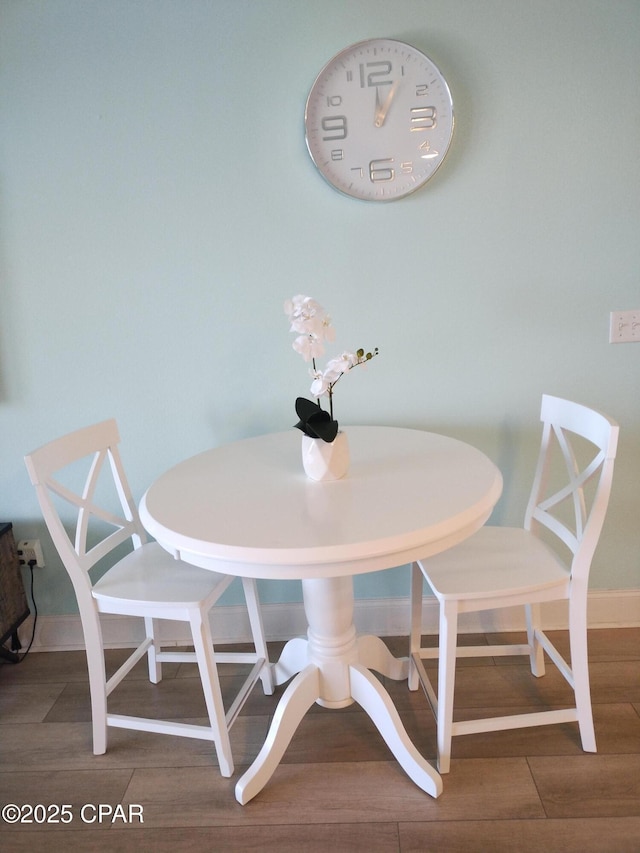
248, 508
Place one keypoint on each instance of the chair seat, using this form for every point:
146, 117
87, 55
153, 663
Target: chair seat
151, 575
495, 561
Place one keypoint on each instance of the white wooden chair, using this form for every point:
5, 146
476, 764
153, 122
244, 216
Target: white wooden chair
81, 474
502, 566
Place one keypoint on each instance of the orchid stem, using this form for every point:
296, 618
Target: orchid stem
313, 362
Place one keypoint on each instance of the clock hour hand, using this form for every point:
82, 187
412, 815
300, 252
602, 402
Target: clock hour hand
383, 109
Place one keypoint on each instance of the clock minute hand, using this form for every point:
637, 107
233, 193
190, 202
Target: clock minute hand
382, 110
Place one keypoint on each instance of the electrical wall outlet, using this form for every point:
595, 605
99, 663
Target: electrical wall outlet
624, 327
30, 550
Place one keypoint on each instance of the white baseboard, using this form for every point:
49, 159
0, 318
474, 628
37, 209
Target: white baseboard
384, 617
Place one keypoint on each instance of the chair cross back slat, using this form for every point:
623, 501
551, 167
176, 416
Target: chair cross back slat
88, 509
574, 490
541, 506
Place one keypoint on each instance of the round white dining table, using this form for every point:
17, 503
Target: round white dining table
248, 509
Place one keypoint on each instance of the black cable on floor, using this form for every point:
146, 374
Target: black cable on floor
31, 564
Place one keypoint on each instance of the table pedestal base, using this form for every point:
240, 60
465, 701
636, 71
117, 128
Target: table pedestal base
332, 668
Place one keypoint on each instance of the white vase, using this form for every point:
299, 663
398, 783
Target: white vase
325, 460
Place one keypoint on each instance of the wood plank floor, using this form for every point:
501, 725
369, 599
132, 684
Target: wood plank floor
338, 787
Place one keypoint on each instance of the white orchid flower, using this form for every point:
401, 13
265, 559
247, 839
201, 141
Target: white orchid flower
307, 316
339, 365
320, 384
309, 346
328, 332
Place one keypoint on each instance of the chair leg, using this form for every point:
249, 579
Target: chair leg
415, 632
257, 630
155, 667
446, 680
536, 652
203, 645
580, 669
97, 678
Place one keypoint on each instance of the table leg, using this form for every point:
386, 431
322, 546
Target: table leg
299, 696
294, 658
333, 670
374, 699
373, 654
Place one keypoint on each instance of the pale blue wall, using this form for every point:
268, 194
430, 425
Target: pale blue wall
157, 205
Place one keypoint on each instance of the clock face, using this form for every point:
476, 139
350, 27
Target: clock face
379, 120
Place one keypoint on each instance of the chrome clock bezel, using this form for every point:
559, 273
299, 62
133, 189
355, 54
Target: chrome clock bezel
372, 98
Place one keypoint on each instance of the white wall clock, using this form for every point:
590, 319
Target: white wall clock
379, 120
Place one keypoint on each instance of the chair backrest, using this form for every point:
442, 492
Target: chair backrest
573, 478
75, 487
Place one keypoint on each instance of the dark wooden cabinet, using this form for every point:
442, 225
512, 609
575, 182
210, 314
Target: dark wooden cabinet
13, 601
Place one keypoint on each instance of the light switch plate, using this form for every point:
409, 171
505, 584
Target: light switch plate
624, 327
